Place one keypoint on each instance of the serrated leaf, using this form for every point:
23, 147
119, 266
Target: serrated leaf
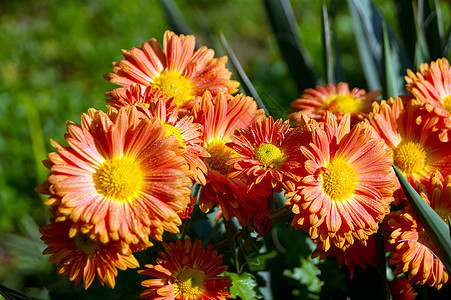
435, 227
283, 23
307, 274
244, 80
243, 285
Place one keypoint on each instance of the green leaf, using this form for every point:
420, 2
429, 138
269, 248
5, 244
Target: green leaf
406, 23
283, 22
245, 82
435, 35
327, 45
391, 86
367, 25
421, 46
308, 274
243, 285
436, 228
176, 19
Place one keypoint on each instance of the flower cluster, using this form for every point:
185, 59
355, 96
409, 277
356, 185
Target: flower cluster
125, 176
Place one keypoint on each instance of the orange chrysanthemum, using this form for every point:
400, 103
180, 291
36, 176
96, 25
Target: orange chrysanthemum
119, 178
348, 186
137, 95
401, 289
413, 251
432, 87
417, 152
186, 272
355, 255
221, 116
80, 257
180, 72
337, 99
268, 153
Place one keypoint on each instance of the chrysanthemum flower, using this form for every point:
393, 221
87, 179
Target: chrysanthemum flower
355, 255
221, 116
137, 95
417, 152
268, 153
337, 99
413, 251
180, 72
188, 133
432, 87
80, 257
186, 272
119, 178
348, 186
401, 289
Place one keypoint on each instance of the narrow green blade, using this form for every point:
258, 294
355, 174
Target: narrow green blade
391, 86
283, 22
327, 45
370, 44
176, 19
367, 44
242, 77
437, 230
406, 25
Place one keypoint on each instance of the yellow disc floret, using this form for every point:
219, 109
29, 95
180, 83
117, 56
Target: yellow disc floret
220, 155
268, 155
410, 157
339, 181
447, 103
189, 283
175, 86
119, 179
84, 244
343, 104
171, 130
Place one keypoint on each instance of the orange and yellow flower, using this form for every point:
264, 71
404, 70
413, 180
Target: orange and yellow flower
431, 86
80, 257
348, 185
412, 250
417, 152
357, 254
188, 133
180, 72
337, 99
401, 289
268, 153
119, 178
221, 116
186, 272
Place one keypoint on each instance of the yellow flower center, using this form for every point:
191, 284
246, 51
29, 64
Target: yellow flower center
410, 157
171, 130
343, 104
269, 155
220, 155
339, 181
84, 244
447, 103
175, 86
189, 283
118, 178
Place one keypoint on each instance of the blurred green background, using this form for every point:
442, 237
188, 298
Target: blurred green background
53, 55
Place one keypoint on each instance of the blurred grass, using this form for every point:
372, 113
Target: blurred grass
52, 59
